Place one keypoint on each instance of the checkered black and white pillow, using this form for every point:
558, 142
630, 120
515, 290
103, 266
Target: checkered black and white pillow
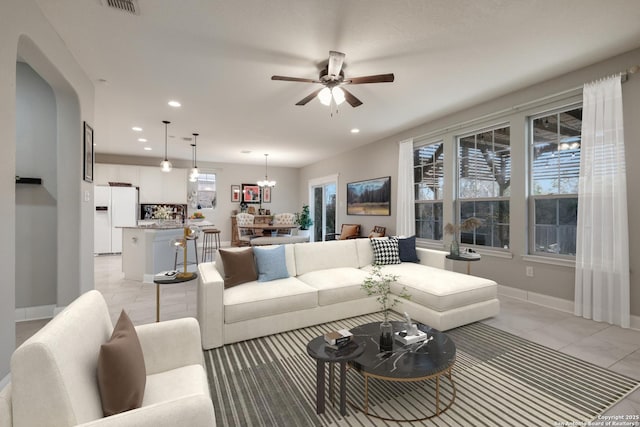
385, 251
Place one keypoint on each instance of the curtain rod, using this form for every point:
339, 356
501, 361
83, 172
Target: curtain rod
624, 76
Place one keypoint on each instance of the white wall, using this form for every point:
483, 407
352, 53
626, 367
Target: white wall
380, 158
25, 33
36, 205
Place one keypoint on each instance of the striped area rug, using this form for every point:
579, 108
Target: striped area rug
501, 380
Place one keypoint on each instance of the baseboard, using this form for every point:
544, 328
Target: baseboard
35, 313
555, 303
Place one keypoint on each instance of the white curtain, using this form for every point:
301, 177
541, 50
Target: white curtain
405, 210
602, 253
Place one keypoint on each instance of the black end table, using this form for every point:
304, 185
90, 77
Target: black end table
177, 279
463, 258
318, 349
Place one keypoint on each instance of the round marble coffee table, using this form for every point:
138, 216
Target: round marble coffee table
426, 360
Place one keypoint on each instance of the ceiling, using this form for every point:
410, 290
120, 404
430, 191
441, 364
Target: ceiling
217, 56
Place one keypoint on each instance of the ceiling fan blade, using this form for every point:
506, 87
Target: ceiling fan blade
309, 97
294, 79
378, 78
336, 60
351, 99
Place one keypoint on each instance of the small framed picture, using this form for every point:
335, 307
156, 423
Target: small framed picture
235, 193
250, 193
88, 153
266, 194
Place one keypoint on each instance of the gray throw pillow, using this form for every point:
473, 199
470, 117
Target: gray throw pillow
271, 263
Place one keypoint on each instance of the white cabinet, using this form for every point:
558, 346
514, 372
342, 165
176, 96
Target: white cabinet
105, 173
155, 186
163, 187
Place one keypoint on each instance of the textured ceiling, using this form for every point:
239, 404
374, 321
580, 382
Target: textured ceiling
217, 56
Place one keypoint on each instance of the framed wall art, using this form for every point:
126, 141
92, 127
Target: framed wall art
266, 194
235, 193
88, 156
369, 197
250, 193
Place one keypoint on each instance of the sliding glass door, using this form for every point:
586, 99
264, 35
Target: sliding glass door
323, 199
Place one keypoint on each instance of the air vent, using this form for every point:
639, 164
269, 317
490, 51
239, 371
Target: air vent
129, 6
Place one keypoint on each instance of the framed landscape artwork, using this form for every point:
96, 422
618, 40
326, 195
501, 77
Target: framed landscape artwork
250, 193
266, 194
88, 153
369, 197
235, 193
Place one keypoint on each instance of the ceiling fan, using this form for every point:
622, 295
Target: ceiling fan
333, 80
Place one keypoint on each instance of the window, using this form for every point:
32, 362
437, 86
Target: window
484, 183
428, 183
206, 187
555, 169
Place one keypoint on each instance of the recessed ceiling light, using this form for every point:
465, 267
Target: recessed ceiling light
174, 104
142, 139
355, 130
137, 128
245, 151
147, 148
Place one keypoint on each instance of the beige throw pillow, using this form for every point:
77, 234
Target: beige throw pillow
122, 375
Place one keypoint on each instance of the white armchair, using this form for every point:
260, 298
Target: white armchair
54, 381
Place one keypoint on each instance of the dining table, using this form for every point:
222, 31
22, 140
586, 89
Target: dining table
268, 227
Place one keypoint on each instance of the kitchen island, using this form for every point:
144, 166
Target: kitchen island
147, 250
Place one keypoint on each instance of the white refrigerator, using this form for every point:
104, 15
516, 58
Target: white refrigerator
114, 207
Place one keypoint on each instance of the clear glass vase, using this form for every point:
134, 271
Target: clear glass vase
386, 336
454, 250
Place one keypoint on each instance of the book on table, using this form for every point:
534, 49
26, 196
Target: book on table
166, 275
337, 338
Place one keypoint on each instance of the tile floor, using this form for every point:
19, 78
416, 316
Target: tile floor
599, 343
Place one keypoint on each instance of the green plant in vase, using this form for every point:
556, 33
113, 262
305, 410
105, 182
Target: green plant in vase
379, 284
303, 220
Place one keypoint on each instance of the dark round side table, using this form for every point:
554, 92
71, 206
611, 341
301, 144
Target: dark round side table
463, 258
173, 281
317, 349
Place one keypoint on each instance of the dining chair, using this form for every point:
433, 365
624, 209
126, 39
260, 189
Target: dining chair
244, 234
285, 218
347, 231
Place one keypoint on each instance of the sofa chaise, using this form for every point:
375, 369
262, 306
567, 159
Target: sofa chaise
324, 284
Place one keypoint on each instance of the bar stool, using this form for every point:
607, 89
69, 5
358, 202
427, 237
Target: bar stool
211, 238
193, 239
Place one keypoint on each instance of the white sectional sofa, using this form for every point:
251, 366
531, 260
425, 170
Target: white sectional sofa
324, 285
54, 373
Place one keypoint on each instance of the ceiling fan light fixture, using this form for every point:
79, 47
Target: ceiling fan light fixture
325, 96
338, 95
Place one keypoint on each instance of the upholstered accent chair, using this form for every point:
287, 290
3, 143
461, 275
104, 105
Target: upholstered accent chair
285, 218
347, 231
378, 231
244, 235
54, 380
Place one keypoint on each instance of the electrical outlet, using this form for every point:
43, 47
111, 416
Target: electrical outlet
529, 271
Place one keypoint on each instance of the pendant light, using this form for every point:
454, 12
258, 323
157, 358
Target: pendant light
266, 182
193, 175
165, 164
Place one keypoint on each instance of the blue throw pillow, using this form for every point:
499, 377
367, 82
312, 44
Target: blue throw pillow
271, 263
407, 248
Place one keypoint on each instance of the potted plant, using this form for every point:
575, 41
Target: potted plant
468, 224
379, 284
304, 221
